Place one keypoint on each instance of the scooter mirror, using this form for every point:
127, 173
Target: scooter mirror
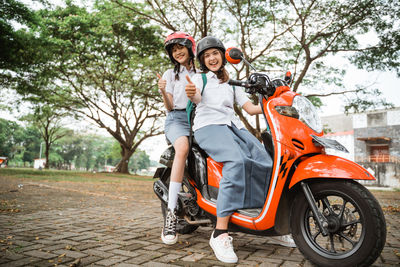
233, 55
288, 77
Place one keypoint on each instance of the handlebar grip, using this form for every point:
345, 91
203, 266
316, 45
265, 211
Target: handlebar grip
239, 83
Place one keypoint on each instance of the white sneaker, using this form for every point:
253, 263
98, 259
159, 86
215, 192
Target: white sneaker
168, 233
223, 248
283, 240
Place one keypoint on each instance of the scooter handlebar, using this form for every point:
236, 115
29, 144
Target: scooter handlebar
239, 83
256, 83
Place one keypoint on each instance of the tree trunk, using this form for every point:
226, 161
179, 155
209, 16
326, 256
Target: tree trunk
122, 166
46, 153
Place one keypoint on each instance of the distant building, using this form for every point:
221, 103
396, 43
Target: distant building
39, 163
373, 140
147, 172
109, 168
377, 136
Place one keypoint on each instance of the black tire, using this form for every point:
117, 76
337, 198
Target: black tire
356, 223
182, 226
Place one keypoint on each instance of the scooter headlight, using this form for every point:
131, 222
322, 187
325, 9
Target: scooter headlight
307, 113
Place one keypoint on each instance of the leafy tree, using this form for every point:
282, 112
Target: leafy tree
105, 151
140, 160
70, 149
55, 160
21, 50
95, 151
196, 16
21, 145
103, 62
11, 138
82, 151
92, 152
32, 140
301, 34
13, 41
385, 53
48, 121
291, 34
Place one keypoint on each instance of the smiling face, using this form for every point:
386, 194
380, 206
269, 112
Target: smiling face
181, 54
213, 59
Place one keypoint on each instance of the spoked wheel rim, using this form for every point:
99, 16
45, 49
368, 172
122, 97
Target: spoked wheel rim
346, 226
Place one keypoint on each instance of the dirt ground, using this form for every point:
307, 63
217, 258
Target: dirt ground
27, 196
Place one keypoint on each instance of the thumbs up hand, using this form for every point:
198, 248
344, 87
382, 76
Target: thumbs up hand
190, 88
161, 83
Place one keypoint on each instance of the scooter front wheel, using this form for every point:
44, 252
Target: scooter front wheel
355, 224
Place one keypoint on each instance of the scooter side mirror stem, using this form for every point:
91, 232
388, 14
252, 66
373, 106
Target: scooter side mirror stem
248, 63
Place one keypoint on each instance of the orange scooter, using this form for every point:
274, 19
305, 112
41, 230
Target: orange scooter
334, 220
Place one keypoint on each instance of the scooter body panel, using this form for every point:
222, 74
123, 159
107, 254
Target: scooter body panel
214, 170
299, 137
287, 149
329, 166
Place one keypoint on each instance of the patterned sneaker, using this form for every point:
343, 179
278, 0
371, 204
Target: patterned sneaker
283, 240
168, 233
223, 248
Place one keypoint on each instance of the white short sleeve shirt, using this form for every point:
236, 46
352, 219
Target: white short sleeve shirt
177, 87
216, 105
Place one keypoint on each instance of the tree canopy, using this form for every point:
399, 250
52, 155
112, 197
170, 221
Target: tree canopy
21, 49
48, 121
100, 65
78, 150
11, 136
99, 62
276, 36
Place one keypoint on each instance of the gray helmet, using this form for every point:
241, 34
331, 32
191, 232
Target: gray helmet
206, 43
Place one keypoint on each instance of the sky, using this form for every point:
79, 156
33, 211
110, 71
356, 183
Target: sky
387, 82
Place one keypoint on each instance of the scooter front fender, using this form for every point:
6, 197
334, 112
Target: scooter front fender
329, 166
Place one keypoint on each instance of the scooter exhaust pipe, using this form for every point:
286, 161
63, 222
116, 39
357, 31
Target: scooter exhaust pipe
161, 191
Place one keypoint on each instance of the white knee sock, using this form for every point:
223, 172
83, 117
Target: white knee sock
174, 189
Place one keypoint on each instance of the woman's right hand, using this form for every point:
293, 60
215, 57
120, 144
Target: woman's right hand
161, 83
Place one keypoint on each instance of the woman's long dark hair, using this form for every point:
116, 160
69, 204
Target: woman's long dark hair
177, 66
222, 74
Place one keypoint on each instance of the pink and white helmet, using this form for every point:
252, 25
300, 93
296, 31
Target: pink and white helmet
181, 38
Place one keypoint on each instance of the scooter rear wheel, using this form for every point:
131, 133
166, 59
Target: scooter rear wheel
356, 224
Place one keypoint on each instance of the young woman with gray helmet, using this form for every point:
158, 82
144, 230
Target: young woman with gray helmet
247, 165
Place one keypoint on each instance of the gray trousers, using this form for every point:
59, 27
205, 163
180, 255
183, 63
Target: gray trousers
247, 166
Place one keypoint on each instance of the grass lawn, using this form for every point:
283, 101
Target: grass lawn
69, 176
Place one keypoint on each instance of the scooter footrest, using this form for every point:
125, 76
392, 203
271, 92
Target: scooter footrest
250, 212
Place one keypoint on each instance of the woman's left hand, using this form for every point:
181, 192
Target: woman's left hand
190, 88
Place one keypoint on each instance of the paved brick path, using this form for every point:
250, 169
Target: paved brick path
125, 233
